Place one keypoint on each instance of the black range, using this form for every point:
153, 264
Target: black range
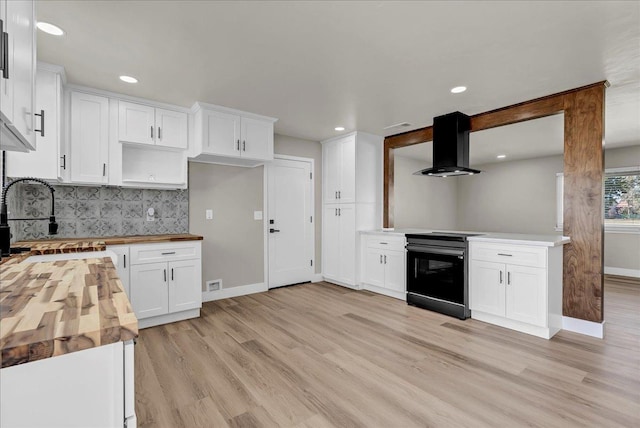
438, 272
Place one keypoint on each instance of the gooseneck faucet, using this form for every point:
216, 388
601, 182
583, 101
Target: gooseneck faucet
5, 230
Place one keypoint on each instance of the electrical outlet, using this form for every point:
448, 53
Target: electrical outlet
151, 214
208, 214
257, 215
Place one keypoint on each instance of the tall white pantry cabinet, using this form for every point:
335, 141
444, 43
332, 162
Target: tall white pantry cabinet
351, 201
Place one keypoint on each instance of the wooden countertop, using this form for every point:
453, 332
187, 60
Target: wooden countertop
111, 240
54, 308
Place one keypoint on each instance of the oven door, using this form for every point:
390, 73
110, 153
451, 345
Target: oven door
436, 272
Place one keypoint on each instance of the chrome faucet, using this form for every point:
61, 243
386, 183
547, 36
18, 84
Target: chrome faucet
5, 230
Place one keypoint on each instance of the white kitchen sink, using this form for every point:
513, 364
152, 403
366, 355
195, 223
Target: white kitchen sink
73, 256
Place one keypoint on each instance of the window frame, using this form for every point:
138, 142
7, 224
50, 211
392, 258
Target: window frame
608, 228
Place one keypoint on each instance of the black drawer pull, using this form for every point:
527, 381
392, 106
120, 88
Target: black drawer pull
168, 253
506, 255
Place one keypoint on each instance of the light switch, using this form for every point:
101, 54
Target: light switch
208, 214
257, 215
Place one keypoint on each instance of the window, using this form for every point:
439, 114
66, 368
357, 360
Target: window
621, 200
622, 197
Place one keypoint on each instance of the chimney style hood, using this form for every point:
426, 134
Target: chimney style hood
450, 146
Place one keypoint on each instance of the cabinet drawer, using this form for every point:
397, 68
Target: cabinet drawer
393, 243
164, 252
512, 254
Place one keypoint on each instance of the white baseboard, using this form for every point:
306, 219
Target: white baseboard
402, 295
589, 328
241, 290
317, 277
169, 318
634, 273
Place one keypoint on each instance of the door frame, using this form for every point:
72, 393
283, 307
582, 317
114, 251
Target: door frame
265, 220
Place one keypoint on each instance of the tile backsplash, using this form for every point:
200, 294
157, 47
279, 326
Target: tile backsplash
83, 211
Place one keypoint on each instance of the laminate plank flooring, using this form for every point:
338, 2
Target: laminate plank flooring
320, 355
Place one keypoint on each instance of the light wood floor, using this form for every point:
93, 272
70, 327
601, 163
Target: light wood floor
322, 355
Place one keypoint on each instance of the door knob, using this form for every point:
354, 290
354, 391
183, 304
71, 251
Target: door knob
274, 230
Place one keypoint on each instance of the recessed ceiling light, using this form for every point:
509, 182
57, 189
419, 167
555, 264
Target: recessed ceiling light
339, 128
128, 79
471, 173
50, 28
501, 156
458, 89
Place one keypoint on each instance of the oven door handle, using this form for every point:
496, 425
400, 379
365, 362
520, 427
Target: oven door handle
444, 251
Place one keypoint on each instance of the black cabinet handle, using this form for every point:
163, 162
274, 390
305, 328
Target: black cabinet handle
2, 45
151, 132
159, 133
165, 275
500, 277
339, 212
385, 259
238, 145
508, 278
104, 169
171, 274
5, 55
64, 161
168, 253
505, 255
339, 194
380, 258
244, 146
41, 130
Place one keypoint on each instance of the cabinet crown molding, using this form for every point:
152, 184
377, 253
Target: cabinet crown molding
199, 105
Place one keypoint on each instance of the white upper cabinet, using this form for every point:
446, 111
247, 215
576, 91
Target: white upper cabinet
348, 163
221, 133
257, 138
136, 123
143, 124
17, 77
89, 138
172, 129
47, 161
231, 137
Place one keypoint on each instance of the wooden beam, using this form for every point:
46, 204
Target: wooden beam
389, 171
583, 218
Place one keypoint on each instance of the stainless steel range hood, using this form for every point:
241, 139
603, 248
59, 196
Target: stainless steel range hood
450, 146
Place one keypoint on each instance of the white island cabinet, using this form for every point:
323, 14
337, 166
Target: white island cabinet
516, 282
383, 263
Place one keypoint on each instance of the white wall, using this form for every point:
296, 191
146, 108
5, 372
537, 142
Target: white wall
422, 202
511, 197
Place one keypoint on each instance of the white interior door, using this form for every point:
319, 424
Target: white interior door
290, 222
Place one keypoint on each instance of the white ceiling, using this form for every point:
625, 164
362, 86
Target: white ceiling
534, 138
362, 65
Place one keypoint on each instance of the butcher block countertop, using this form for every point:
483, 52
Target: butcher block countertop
111, 240
58, 307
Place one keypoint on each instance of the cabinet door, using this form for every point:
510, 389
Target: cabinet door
526, 294
19, 88
172, 129
487, 287
330, 242
44, 162
136, 123
221, 134
89, 138
347, 219
257, 139
122, 265
330, 171
185, 288
373, 267
149, 290
395, 271
6, 86
347, 172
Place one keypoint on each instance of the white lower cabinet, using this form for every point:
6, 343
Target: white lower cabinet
383, 264
165, 281
122, 265
517, 286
